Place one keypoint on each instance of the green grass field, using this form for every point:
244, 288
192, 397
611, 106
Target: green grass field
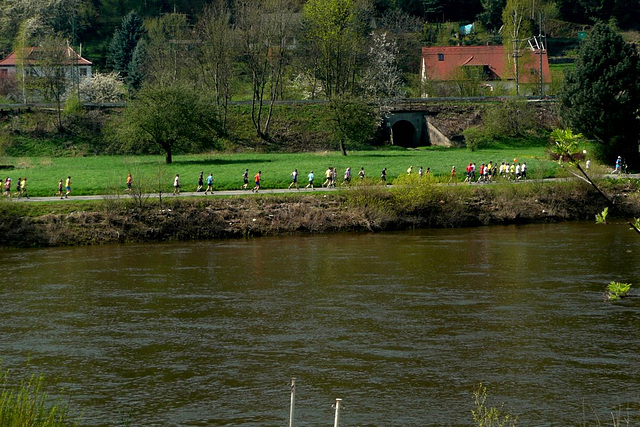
107, 174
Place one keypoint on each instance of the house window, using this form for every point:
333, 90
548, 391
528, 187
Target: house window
441, 57
83, 72
4, 72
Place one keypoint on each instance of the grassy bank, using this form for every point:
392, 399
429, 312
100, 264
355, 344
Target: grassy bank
107, 174
366, 208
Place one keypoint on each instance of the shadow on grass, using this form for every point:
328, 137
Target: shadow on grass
220, 161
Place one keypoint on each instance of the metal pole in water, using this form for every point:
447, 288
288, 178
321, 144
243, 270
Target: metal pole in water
293, 401
335, 423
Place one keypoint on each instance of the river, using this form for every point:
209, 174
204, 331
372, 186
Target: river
401, 326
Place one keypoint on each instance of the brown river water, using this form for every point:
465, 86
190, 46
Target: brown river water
401, 326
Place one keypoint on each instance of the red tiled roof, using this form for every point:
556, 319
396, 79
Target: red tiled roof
443, 62
12, 59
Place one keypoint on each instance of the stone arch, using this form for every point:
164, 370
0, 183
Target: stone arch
405, 134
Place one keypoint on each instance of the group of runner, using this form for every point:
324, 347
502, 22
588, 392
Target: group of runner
21, 187
490, 171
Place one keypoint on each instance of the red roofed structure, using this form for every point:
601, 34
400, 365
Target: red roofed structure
442, 63
9, 65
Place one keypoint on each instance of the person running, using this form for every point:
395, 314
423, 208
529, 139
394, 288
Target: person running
618, 167
294, 179
468, 177
23, 188
60, 189
257, 182
209, 184
327, 175
410, 170
453, 173
7, 187
67, 184
245, 179
310, 177
200, 181
129, 182
420, 172
523, 171
383, 176
18, 187
428, 171
347, 177
176, 184
361, 173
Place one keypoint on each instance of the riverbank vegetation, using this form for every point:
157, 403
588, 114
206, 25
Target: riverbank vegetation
364, 208
28, 404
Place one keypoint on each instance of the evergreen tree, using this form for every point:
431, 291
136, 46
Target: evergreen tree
601, 96
124, 41
491, 18
135, 70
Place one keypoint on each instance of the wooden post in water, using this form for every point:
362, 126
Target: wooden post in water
293, 401
335, 423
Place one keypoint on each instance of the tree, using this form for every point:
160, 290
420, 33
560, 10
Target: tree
601, 96
491, 17
171, 118
218, 53
355, 120
43, 17
267, 27
335, 33
171, 51
124, 42
135, 70
102, 88
516, 17
382, 78
52, 62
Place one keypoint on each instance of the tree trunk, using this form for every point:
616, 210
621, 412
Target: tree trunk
168, 158
343, 149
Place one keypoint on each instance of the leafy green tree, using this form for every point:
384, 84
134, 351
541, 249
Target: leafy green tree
335, 33
174, 117
354, 120
124, 42
601, 96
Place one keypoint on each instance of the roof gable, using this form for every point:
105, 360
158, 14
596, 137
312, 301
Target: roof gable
30, 55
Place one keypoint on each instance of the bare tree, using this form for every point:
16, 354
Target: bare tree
267, 29
218, 53
51, 65
171, 51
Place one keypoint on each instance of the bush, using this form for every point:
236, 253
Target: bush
476, 137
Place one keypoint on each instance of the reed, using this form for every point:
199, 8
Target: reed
27, 404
